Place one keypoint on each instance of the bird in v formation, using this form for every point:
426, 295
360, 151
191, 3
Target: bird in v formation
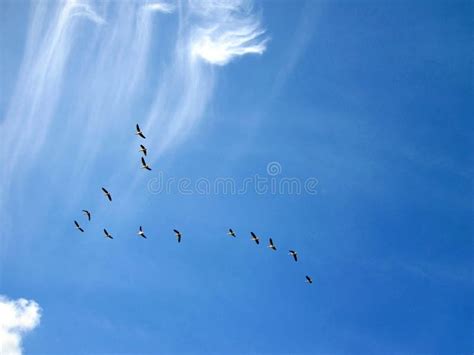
177, 233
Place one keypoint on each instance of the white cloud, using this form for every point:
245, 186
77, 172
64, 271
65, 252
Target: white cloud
160, 7
94, 68
17, 317
209, 32
37, 93
225, 30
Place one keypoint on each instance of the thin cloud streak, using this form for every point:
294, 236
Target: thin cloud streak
159, 7
92, 69
38, 89
210, 33
303, 35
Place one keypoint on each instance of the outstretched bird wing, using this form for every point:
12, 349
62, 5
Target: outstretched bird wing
88, 214
139, 132
78, 226
144, 164
272, 246
109, 196
178, 235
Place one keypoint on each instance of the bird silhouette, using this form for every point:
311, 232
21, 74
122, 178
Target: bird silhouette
107, 194
178, 235
107, 234
255, 238
144, 165
139, 132
78, 226
141, 233
87, 213
271, 245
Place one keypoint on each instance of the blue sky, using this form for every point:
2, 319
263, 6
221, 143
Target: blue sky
372, 99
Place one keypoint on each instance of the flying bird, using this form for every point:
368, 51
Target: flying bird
231, 233
143, 149
271, 245
139, 132
78, 226
294, 254
107, 194
144, 165
255, 238
309, 279
178, 235
87, 213
107, 234
141, 233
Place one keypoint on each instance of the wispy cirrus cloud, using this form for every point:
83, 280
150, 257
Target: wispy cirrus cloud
225, 30
17, 317
115, 64
159, 7
209, 33
92, 69
33, 104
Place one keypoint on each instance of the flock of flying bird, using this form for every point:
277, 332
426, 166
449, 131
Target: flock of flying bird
178, 235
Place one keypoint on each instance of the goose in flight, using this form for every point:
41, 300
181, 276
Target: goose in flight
142, 149
255, 238
139, 132
144, 165
309, 279
271, 245
231, 233
107, 234
141, 233
178, 235
294, 254
87, 213
78, 226
107, 194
